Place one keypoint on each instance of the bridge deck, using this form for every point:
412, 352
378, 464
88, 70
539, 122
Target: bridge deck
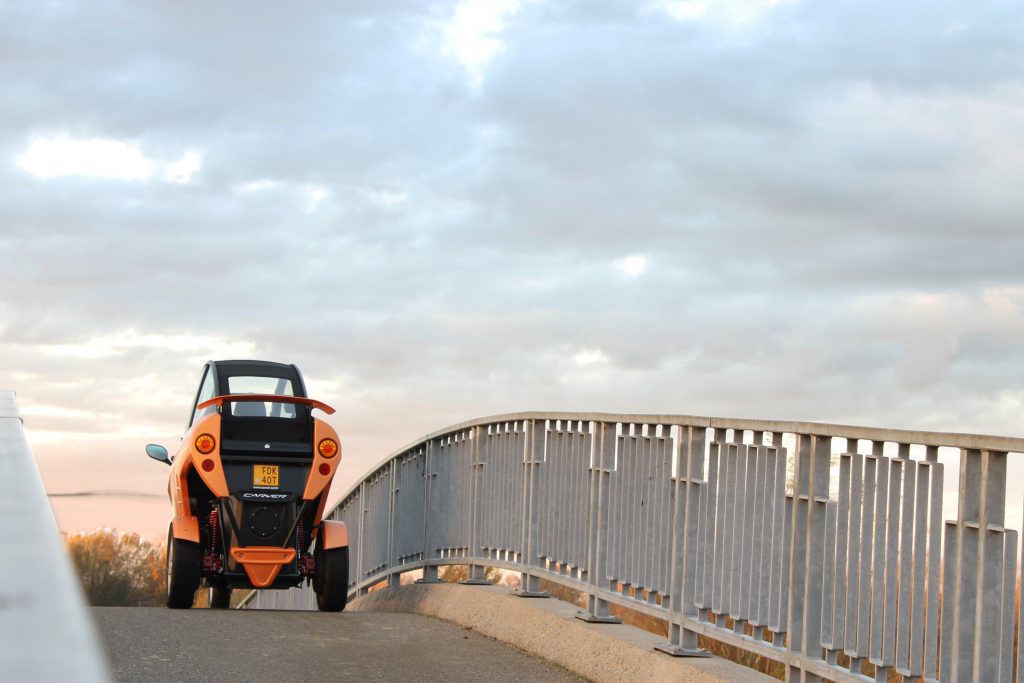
149, 644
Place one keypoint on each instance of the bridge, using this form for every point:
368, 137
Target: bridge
823, 548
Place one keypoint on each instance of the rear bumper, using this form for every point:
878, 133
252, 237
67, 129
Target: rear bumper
262, 564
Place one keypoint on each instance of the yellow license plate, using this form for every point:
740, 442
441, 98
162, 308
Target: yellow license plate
265, 475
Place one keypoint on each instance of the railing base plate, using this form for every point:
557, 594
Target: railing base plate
594, 619
677, 651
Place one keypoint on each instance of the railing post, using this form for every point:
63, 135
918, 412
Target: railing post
978, 593
533, 458
429, 570
813, 454
598, 609
685, 528
360, 568
476, 574
394, 577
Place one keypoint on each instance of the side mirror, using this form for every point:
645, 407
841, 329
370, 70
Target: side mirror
158, 453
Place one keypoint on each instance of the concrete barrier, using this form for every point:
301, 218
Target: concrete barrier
45, 631
549, 629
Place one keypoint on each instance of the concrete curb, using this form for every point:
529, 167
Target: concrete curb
548, 629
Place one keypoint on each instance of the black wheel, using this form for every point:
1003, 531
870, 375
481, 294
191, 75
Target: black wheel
220, 597
331, 579
184, 566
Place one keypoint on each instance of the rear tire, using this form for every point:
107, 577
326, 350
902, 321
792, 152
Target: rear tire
184, 567
331, 580
220, 597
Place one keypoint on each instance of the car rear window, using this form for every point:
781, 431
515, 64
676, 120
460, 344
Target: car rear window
277, 386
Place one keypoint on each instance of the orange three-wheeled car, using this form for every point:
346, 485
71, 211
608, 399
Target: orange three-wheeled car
249, 484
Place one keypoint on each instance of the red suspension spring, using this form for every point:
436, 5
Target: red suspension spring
214, 530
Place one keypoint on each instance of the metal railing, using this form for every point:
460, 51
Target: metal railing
823, 547
45, 631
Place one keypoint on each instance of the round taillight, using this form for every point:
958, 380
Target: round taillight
208, 466
205, 443
325, 469
328, 448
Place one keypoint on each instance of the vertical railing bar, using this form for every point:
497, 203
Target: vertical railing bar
855, 540
583, 466
635, 476
905, 566
519, 460
667, 495
579, 469
641, 463
829, 578
798, 550
475, 481
662, 488
761, 606
934, 567
892, 556
833, 580
652, 534
865, 591
780, 543
655, 542
614, 500
992, 539
842, 578
360, 567
655, 536
722, 528
915, 666
573, 475
1007, 604
878, 564
709, 527
551, 464
752, 589
817, 518
735, 562
745, 568
678, 569
631, 474
559, 452
490, 502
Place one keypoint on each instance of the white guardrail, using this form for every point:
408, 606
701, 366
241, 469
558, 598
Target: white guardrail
815, 545
45, 631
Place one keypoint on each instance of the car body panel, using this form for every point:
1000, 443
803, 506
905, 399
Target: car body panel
186, 527
334, 533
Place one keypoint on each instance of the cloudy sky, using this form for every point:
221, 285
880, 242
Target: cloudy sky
780, 209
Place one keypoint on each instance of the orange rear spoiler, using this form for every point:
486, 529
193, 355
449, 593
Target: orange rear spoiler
265, 398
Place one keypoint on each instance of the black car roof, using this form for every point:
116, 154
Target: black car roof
227, 367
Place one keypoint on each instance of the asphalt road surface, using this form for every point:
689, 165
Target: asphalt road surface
155, 644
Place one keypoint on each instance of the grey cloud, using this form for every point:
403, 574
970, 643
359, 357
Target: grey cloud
792, 183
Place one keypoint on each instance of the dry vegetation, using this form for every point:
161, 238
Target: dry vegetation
124, 570
118, 569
